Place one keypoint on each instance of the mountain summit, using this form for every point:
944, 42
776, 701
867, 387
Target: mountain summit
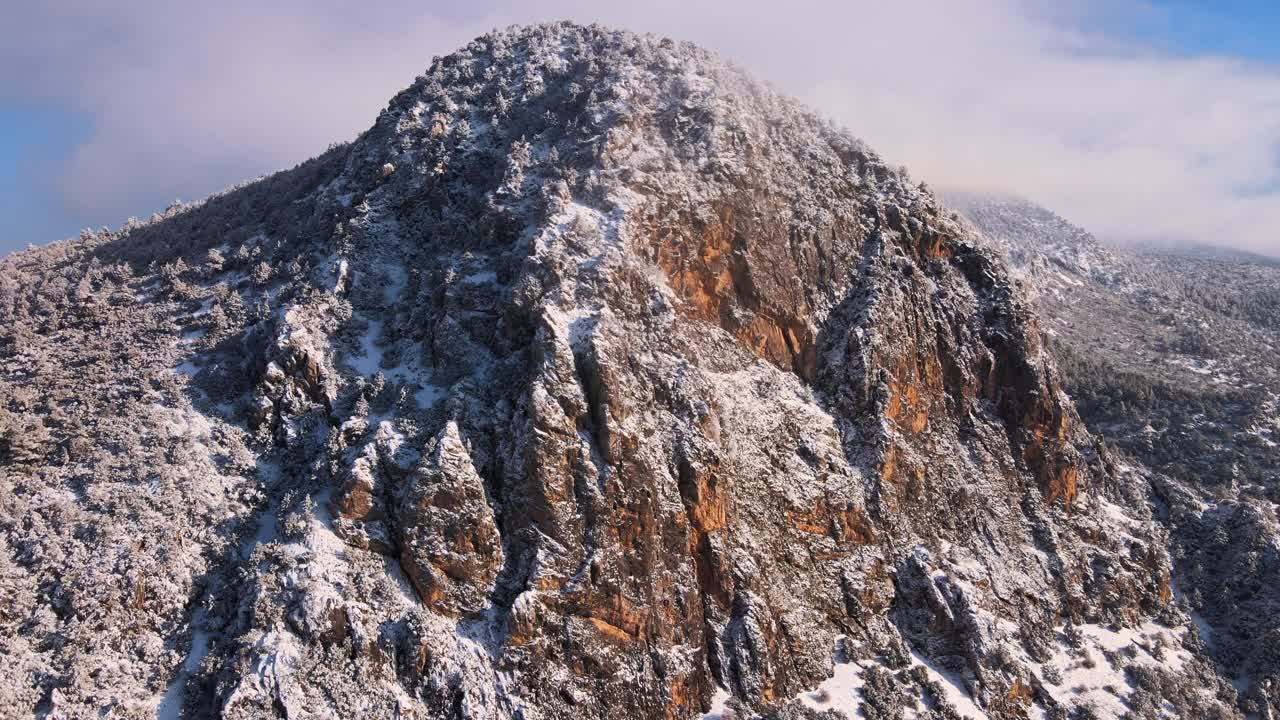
596, 379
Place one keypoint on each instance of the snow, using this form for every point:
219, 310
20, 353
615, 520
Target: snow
482, 277
342, 273
171, 702
842, 692
572, 326
428, 395
1209, 368
1203, 628
1083, 684
1087, 676
268, 531
328, 552
576, 221
718, 705
184, 422
206, 306
369, 363
276, 656
396, 278
952, 688
405, 593
1115, 512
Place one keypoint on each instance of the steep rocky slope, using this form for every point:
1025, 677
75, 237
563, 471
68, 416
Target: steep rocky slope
1170, 355
594, 376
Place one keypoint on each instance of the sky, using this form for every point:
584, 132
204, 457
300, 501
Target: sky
1141, 120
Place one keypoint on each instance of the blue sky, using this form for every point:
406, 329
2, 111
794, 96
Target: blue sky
31, 140
1242, 28
1136, 118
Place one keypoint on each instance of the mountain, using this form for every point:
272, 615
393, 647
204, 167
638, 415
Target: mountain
1171, 358
1168, 354
595, 379
1227, 255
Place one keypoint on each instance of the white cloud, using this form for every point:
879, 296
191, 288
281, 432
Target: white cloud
989, 94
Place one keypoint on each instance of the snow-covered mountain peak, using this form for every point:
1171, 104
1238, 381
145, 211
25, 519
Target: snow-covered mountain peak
595, 375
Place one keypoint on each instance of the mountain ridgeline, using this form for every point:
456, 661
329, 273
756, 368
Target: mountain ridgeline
595, 379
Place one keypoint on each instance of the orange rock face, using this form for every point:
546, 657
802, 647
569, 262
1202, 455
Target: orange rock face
723, 278
735, 273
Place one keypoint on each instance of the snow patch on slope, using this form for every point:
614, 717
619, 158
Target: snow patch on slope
841, 692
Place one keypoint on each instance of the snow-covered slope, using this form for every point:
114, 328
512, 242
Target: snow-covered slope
595, 379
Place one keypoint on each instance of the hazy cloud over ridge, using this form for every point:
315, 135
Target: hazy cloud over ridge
987, 94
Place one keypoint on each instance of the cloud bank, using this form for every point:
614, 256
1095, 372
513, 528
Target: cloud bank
1018, 96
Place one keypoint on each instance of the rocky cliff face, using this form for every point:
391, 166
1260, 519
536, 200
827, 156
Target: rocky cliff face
594, 376
1168, 355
